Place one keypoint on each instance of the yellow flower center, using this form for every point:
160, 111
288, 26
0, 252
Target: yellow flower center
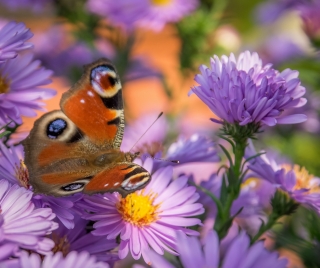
303, 178
160, 2
138, 209
251, 183
4, 84
61, 244
22, 175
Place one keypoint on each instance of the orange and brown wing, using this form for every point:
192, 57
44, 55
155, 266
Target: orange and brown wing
95, 105
123, 177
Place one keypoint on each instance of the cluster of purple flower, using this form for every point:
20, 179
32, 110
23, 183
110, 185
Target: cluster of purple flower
153, 14
21, 78
37, 230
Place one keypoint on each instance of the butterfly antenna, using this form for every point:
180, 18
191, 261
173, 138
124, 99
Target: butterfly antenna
146, 131
162, 159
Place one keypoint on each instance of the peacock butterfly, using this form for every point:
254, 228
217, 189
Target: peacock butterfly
77, 148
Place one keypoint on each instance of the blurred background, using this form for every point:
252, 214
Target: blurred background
158, 54
157, 47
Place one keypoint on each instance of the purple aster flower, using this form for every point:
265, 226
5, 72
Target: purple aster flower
35, 5
13, 36
7, 250
13, 169
72, 260
21, 223
78, 239
279, 49
309, 13
301, 186
149, 217
20, 90
140, 68
152, 14
161, 12
269, 11
197, 148
244, 91
239, 254
254, 199
123, 13
152, 140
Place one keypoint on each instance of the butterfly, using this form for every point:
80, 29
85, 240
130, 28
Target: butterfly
77, 148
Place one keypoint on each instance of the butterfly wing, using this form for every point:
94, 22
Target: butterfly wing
122, 177
78, 147
97, 98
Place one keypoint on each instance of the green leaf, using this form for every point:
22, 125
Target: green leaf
227, 154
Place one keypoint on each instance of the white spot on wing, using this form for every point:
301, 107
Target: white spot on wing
82, 101
90, 93
106, 184
115, 184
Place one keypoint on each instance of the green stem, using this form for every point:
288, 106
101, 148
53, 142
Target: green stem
230, 191
272, 219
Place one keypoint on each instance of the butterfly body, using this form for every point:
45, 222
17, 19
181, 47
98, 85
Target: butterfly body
77, 148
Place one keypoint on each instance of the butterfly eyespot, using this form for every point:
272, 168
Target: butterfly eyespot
104, 81
101, 70
73, 187
55, 128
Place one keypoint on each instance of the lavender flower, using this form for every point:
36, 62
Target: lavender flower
152, 14
160, 12
253, 198
21, 223
20, 91
239, 253
309, 13
14, 170
35, 5
123, 13
269, 11
73, 259
7, 250
301, 186
79, 240
279, 49
13, 36
194, 149
146, 218
152, 139
244, 91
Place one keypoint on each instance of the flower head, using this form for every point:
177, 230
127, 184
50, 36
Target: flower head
73, 259
20, 91
251, 199
7, 250
152, 140
243, 91
21, 222
152, 14
309, 13
197, 148
269, 11
78, 239
301, 186
149, 217
35, 5
239, 253
161, 12
13, 36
